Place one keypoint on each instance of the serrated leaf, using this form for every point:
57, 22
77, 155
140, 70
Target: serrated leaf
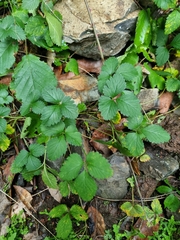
72, 136
85, 186
20, 160
53, 130
71, 167
64, 188
78, 213
56, 147
135, 144
114, 86
35, 26
4, 142
37, 107
156, 207
162, 55
72, 66
98, 166
31, 75
26, 124
36, 149
172, 22
3, 125
58, 211
107, 70
156, 134
136, 83
4, 97
128, 71
64, 227
55, 28
128, 104
161, 38
132, 210
49, 179
107, 107
166, 4
33, 163
4, 111
21, 17
164, 189
30, 5
134, 122
7, 50
172, 84
176, 42
9, 129
51, 115
172, 203
69, 109
53, 95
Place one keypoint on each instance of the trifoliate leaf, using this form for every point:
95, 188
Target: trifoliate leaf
53, 130
69, 109
85, 186
3, 125
20, 160
8, 48
78, 213
58, 211
56, 147
107, 107
128, 71
35, 26
134, 122
156, 134
98, 166
114, 86
30, 5
176, 42
72, 66
172, 84
165, 5
33, 163
135, 144
51, 115
36, 149
31, 75
49, 179
71, 167
172, 22
162, 55
73, 136
4, 111
4, 142
55, 28
133, 210
172, 203
128, 104
64, 227
107, 70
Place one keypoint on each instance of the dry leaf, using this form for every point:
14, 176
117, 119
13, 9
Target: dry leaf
96, 222
165, 101
135, 166
7, 174
55, 194
90, 66
17, 208
24, 196
6, 80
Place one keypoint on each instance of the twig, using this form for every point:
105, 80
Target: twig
94, 29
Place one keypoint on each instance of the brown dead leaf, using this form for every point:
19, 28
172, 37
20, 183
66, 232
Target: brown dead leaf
165, 101
6, 80
135, 166
90, 66
7, 174
96, 222
58, 71
24, 196
55, 193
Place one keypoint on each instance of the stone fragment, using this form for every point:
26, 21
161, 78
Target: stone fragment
116, 186
148, 98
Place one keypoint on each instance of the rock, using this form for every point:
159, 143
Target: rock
116, 186
113, 20
159, 167
148, 98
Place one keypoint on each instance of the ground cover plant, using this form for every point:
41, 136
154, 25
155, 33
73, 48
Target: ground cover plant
33, 109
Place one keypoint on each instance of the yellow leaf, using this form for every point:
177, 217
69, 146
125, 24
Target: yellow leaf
4, 142
9, 129
117, 118
145, 158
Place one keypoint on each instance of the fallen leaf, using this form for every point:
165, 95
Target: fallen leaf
6, 80
7, 174
165, 101
17, 208
135, 166
90, 66
96, 222
32, 236
55, 193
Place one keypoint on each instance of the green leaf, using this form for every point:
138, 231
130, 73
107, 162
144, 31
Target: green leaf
78, 213
35, 26
64, 188
114, 86
71, 167
128, 71
30, 5
64, 227
156, 134
31, 75
128, 104
55, 28
69, 109
73, 136
132, 210
161, 38
37, 107
56, 147
172, 203
21, 17
4, 97
72, 66
4, 142
156, 207
85, 186
33, 163
107, 70
20, 160
107, 107
24, 131
136, 83
172, 22
98, 166
162, 55
3, 125
143, 30
134, 122
4, 111
176, 42
8, 48
53, 130
172, 84
166, 4
36, 149
58, 211
49, 179
51, 115
164, 189
135, 144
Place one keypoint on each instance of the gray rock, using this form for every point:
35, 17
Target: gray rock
113, 20
148, 98
116, 186
158, 167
